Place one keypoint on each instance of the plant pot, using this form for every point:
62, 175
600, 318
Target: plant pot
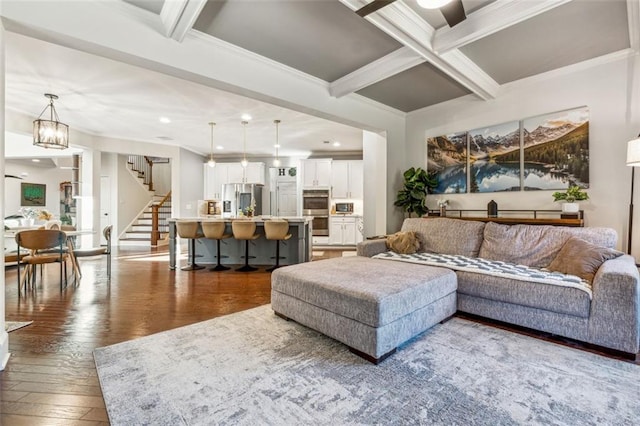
570, 208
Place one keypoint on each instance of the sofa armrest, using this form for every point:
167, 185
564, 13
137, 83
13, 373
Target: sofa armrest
370, 248
615, 309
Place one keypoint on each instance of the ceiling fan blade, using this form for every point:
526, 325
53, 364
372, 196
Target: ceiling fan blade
13, 177
373, 6
453, 12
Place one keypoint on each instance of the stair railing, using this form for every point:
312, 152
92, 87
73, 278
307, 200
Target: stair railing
156, 217
142, 165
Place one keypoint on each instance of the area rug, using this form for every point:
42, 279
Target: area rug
10, 326
255, 368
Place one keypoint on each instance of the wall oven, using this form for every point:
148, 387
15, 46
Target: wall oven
315, 202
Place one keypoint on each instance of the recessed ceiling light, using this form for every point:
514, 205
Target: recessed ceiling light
219, 147
35, 160
164, 138
24, 174
336, 143
326, 142
277, 145
246, 117
165, 120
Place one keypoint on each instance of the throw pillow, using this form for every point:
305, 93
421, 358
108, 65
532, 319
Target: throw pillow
403, 242
581, 258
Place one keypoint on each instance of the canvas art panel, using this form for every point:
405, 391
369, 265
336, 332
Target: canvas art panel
33, 194
494, 156
447, 156
556, 150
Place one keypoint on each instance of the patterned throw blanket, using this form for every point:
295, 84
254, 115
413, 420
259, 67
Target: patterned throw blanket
491, 267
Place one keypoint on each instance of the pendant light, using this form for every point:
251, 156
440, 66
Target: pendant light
276, 161
50, 133
212, 161
244, 161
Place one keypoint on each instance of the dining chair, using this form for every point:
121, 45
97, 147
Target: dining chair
190, 230
96, 251
36, 242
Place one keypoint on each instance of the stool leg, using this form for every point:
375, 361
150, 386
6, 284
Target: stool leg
219, 266
277, 265
246, 267
193, 266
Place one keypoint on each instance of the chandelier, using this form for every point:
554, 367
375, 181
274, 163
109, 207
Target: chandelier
50, 133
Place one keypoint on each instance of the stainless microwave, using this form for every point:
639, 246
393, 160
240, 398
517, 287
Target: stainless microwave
344, 208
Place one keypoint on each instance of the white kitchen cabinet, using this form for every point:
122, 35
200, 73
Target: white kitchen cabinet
347, 179
212, 183
344, 231
316, 173
223, 173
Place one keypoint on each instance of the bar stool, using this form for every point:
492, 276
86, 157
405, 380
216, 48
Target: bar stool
245, 230
276, 229
190, 230
214, 230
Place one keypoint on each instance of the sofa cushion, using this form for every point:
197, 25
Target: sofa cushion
447, 236
581, 258
403, 242
562, 300
536, 245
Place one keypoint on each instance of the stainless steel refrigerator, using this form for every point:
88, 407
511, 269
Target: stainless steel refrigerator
237, 197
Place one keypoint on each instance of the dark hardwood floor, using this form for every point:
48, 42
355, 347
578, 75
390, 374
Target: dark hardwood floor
51, 377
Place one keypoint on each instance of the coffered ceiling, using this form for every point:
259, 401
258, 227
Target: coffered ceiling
402, 57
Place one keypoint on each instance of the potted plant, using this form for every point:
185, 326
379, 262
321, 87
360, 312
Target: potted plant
417, 184
570, 196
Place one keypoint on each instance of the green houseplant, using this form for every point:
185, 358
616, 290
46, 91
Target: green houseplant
417, 184
570, 196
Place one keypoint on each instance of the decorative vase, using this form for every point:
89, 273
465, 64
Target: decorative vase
570, 207
27, 222
443, 211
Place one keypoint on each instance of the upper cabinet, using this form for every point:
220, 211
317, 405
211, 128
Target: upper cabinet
316, 173
223, 173
347, 179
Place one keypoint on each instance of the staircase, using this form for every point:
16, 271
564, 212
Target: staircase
140, 230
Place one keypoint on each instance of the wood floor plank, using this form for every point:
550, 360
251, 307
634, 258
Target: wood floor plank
62, 399
43, 410
18, 420
13, 395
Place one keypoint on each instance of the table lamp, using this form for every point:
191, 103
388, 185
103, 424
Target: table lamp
633, 160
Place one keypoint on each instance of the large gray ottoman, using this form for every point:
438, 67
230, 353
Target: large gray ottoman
371, 305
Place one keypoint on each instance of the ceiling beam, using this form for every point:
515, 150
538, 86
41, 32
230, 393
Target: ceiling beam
403, 24
490, 19
178, 16
387, 66
633, 15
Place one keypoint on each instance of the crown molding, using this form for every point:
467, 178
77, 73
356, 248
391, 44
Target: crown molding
490, 19
387, 66
406, 26
178, 17
633, 16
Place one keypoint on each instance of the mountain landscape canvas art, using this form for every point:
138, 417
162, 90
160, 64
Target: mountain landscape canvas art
494, 156
447, 156
556, 150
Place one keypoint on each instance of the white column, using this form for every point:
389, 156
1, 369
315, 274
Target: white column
89, 202
4, 336
374, 153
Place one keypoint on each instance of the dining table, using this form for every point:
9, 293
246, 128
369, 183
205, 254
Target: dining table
11, 246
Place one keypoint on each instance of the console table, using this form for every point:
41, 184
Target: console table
515, 217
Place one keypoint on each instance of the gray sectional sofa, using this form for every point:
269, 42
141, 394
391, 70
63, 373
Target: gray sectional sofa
607, 315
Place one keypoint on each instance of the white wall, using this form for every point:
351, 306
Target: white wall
162, 178
132, 196
606, 89
52, 177
191, 184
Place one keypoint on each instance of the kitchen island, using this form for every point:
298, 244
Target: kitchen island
262, 251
